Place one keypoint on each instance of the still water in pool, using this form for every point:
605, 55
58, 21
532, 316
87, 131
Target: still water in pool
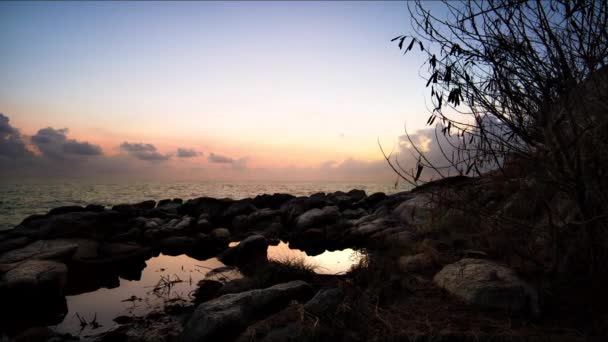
151, 292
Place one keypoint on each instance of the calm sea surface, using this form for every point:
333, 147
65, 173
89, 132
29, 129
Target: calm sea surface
19, 200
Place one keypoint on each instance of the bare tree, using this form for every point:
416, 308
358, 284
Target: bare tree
525, 80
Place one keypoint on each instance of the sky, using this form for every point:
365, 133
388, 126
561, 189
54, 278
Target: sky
205, 90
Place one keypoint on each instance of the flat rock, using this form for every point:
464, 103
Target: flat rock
225, 317
34, 277
487, 284
41, 249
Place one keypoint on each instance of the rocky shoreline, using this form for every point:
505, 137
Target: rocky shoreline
71, 250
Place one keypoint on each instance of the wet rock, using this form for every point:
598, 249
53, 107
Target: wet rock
325, 302
250, 251
488, 284
42, 249
226, 316
42, 334
317, 218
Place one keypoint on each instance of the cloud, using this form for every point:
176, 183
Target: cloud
11, 142
220, 159
143, 151
187, 153
53, 143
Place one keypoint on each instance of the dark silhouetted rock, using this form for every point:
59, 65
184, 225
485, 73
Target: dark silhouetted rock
274, 201
317, 218
325, 302
95, 207
42, 249
65, 209
225, 317
251, 251
98, 225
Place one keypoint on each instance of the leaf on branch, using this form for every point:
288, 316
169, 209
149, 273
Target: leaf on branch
421, 47
411, 44
401, 42
398, 37
448, 74
433, 61
433, 78
418, 171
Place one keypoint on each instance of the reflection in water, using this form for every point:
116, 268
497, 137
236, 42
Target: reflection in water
328, 262
137, 297
171, 279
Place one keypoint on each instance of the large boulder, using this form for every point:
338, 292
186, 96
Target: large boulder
225, 317
417, 210
317, 218
250, 252
34, 277
42, 249
488, 284
213, 207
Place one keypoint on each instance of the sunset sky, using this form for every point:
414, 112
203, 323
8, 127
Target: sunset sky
208, 89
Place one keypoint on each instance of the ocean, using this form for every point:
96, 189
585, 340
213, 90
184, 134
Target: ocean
21, 199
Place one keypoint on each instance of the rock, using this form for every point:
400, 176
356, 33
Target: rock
242, 207
372, 200
357, 195
317, 218
42, 334
211, 206
175, 245
122, 252
325, 302
416, 210
206, 290
88, 224
225, 317
251, 251
488, 284
261, 221
221, 234
203, 225
95, 207
183, 226
274, 201
65, 209
403, 239
34, 279
415, 263
13, 243
42, 249
354, 213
